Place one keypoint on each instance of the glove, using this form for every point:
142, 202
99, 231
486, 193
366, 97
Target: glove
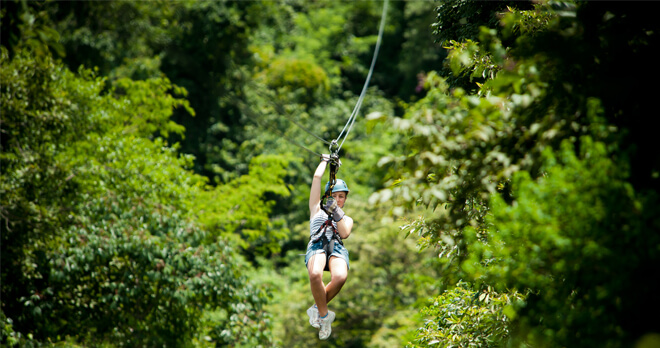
335, 159
327, 158
332, 207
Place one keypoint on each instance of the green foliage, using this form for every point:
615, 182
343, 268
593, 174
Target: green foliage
461, 20
240, 210
523, 158
538, 183
465, 318
98, 241
295, 74
112, 34
9, 336
144, 111
26, 25
520, 22
319, 33
36, 192
463, 147
141, 276
444, 128
196, 45
556, 219
460, 23
467, 61
407, 51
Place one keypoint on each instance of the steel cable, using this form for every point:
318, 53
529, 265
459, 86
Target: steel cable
356, 110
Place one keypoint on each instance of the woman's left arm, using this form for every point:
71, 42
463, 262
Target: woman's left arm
344, 227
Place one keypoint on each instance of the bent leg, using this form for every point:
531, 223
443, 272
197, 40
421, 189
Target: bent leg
315, 267
339, 274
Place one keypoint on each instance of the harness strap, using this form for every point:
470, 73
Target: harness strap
328, 244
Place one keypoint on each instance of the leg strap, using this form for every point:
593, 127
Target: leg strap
328, 247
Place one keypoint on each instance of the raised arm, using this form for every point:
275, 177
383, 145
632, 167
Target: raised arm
315, 190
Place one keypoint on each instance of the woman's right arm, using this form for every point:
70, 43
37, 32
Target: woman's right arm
315, 190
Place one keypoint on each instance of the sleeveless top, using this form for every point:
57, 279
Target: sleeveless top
317, 221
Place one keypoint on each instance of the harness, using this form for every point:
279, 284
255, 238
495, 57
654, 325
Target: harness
329, 243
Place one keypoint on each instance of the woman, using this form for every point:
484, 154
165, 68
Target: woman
316, 259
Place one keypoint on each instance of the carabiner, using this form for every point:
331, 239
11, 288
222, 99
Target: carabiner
333, 147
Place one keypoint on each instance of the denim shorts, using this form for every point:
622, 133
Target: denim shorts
317, 248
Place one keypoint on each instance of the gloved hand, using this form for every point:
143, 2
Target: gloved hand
332, 207
327, 158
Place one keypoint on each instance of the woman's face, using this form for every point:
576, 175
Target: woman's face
340, 198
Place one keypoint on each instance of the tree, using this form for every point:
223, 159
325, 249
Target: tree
197, 45
466, 318
459, 22
98, 240
563, 239
516, 210
26, 24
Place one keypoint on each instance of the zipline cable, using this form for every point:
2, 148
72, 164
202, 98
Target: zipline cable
246, 110
334, 147
351, 119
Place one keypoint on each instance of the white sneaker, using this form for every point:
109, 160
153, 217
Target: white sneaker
325, 331
313, 314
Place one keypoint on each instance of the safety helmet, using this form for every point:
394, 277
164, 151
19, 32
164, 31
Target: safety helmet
340, 186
